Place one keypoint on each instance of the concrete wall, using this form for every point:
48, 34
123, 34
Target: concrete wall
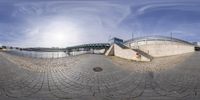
125, 53
163, 48
100, 51
110, 51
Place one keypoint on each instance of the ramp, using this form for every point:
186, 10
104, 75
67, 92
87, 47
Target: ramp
123, 51
110, 51
143, 53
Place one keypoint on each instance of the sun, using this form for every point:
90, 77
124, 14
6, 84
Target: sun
59, 34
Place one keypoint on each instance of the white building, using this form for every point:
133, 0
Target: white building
196, 43
159, 46
146, 48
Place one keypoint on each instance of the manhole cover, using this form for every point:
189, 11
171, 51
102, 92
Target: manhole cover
97, 69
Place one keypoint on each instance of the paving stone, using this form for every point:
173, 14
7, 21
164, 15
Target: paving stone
167, 78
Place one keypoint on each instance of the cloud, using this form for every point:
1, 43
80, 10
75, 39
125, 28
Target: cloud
64, 23
92, 20
162, 17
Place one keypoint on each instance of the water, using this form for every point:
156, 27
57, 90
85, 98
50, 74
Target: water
37, 54
59, 54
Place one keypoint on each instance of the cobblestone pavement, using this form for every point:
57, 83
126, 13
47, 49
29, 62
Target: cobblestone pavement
167, 78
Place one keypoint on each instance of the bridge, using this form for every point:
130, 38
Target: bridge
88, 47
83, 47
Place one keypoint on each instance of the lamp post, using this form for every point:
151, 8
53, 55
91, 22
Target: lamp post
132, 36
171, 36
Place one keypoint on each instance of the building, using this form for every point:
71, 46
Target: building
159, 46
1, 49
196, 44
146, 48
116, 40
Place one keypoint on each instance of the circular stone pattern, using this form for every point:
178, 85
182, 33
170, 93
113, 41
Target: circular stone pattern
97, 69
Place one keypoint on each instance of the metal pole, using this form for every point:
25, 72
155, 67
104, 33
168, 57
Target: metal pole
109, 37
171, 36
132, 36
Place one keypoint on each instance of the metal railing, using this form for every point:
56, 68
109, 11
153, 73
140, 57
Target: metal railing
156, 38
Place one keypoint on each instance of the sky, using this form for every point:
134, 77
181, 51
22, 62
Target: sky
62, 23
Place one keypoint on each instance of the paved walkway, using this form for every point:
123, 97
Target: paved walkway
167, 78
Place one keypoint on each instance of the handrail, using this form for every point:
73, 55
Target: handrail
164, 38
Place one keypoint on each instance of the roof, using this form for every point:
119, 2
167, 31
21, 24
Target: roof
160, 38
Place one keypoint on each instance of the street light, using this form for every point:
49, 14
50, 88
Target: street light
171, 36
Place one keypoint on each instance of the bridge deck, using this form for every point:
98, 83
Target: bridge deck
90, 46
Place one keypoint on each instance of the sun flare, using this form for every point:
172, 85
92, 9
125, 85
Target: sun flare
59, 33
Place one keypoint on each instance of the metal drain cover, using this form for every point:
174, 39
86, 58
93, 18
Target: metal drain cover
97, 69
